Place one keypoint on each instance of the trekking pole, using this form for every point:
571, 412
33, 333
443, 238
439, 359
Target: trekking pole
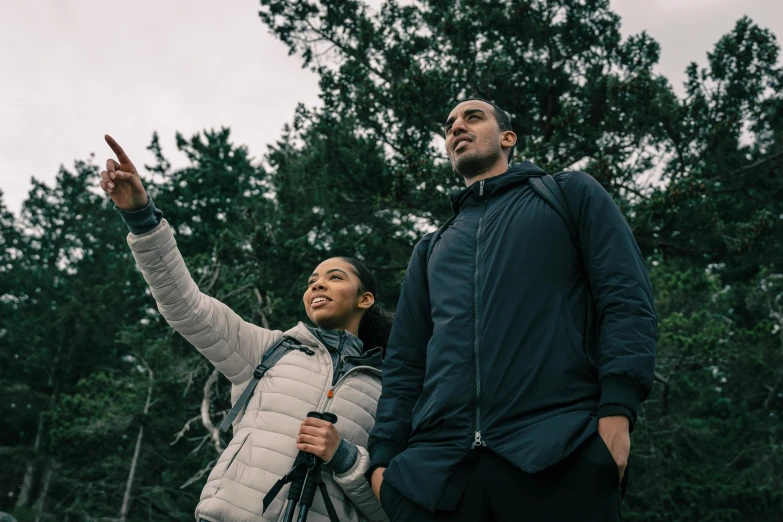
314, 480
295, 491
305, 478
296, 477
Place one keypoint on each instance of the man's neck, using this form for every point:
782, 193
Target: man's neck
496, 170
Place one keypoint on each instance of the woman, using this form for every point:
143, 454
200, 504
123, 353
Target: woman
336, 369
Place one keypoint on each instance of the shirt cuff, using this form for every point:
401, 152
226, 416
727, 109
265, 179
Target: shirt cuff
142, 220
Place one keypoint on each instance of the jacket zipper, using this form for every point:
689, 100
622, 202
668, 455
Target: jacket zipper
477, 442
340, 358
340, 364
332, 390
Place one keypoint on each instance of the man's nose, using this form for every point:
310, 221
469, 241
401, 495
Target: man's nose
458, 127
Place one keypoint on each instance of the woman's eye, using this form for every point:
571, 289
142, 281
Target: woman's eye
335, 277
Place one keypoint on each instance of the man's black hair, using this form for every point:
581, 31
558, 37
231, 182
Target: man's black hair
501, 116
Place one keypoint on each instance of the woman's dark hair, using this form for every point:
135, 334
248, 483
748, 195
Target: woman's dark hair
376, 324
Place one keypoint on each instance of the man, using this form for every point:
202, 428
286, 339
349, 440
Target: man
500, 401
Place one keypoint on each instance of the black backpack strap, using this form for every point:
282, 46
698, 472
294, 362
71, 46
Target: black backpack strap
547, 189
436, 236
272, 355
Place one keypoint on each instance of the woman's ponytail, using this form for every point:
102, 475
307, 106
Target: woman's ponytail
375, 328
376, 324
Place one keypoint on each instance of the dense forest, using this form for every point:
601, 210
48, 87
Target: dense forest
109, 415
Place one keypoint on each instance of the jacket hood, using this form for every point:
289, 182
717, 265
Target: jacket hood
513, 177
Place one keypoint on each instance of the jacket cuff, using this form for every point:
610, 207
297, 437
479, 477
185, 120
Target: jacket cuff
344, 457
620, 396
381, 454
143, 220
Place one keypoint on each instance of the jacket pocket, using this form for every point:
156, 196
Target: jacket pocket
605, 454
236, 453
389, 498
424, 408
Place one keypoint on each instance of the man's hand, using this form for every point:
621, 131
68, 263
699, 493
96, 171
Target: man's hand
615, 432
376, 480
318, 437
121, 180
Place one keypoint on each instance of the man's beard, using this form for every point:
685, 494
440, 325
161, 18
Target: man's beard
471, 164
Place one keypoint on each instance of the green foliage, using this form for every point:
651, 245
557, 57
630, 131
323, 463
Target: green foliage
364, 175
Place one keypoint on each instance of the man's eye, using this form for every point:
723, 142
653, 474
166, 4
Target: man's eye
472, 116
310, 283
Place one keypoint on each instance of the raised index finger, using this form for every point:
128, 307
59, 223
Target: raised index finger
121, 156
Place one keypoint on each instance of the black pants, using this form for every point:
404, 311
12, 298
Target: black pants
585, 487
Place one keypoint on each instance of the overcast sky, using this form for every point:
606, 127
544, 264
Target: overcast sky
73, 70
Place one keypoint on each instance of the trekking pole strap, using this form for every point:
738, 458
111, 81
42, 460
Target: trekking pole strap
296, 474
315, 482
328, 503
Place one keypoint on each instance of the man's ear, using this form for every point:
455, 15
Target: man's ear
508, 139
366, 300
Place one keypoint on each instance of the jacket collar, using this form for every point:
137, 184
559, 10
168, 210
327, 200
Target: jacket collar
340, 341
353, 348
514, 176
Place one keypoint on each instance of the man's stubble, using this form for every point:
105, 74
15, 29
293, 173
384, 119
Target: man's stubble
476, 162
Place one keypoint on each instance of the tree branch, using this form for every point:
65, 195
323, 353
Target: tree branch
185, 428
261, 307
232, 293
392, 268
629, 189
347, 50
751, 166
135, 461
214, 280
198, 475
205, 420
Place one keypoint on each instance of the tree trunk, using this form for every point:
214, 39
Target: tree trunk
129, 485
40, 502
205, 420
29, 472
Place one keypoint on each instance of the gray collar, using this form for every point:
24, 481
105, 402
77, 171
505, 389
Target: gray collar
344, 343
